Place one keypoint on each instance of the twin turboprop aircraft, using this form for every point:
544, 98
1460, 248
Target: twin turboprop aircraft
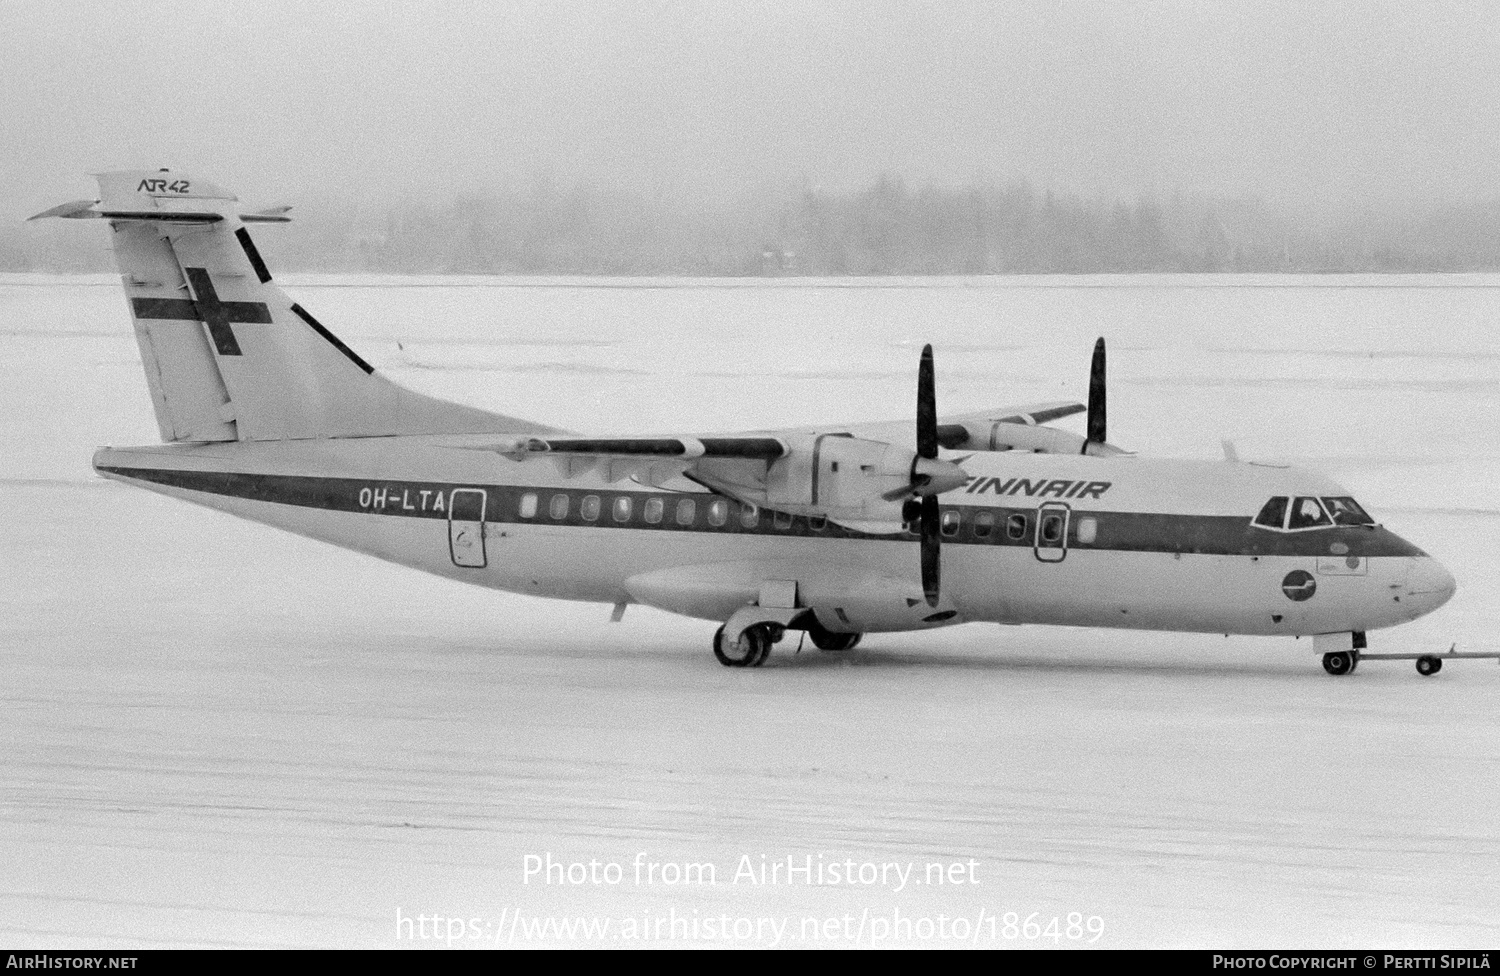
836, 531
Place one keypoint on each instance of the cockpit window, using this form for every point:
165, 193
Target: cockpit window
1273, 515
1346, 511
1307, 514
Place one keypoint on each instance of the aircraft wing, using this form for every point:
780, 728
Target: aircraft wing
1036, 413
764, 446
648, 460
633, 454
954, 430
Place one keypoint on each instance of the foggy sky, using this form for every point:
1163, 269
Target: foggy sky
1299, 102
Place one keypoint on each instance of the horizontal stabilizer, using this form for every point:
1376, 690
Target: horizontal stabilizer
166, 216
270, 215
161, 196
87, 209
72, 210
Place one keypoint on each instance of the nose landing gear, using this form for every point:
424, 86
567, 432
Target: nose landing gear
1341, 651
1344, 662
1341, 662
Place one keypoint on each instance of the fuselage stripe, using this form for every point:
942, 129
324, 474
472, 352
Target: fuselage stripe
1112, 530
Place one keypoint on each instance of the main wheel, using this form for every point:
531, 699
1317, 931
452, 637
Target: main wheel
749, 650
1428, 665
768, 636
827, 640
1339, 662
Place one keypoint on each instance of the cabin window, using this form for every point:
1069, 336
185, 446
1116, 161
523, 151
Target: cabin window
718, 512
1015, 527
1346, 511
589, 508
687, 510
1088, 531
1273, 513
559, 506
984, 522
654, 509
528, 504
950, 522
622, 508
1052, 529
749, 516
783, 520
1307, 514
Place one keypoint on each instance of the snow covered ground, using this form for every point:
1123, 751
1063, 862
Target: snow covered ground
216, 734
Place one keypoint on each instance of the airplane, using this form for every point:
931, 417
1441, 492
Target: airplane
835, 531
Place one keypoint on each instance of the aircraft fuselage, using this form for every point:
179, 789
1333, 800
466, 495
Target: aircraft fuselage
1032, 538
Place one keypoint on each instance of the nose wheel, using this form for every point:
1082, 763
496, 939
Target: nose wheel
1341, 662
1428, 665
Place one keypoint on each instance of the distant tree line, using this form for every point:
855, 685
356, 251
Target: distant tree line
888, 228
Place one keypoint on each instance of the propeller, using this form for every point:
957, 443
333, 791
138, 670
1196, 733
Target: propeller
930, 477
1096, 425
927, 449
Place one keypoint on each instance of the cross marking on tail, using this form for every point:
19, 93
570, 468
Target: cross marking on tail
207, 308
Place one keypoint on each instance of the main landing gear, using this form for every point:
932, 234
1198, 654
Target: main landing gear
827, 640
754, 644
752, 648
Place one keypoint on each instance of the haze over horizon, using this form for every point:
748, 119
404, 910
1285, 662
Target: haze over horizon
1326, 106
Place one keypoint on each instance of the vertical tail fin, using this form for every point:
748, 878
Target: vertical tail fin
228, 356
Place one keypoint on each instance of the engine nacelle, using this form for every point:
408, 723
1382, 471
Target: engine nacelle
1004, 435
846, 479
841, 477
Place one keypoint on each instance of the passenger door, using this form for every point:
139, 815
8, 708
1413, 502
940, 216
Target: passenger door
466, 527
1051, 541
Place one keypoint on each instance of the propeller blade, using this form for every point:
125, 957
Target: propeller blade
1096, 426
927, 437
931, 549
930, 476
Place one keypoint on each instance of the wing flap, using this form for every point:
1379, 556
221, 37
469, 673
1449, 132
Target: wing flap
752, 447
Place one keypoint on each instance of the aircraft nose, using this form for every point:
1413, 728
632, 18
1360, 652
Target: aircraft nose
1430, 582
